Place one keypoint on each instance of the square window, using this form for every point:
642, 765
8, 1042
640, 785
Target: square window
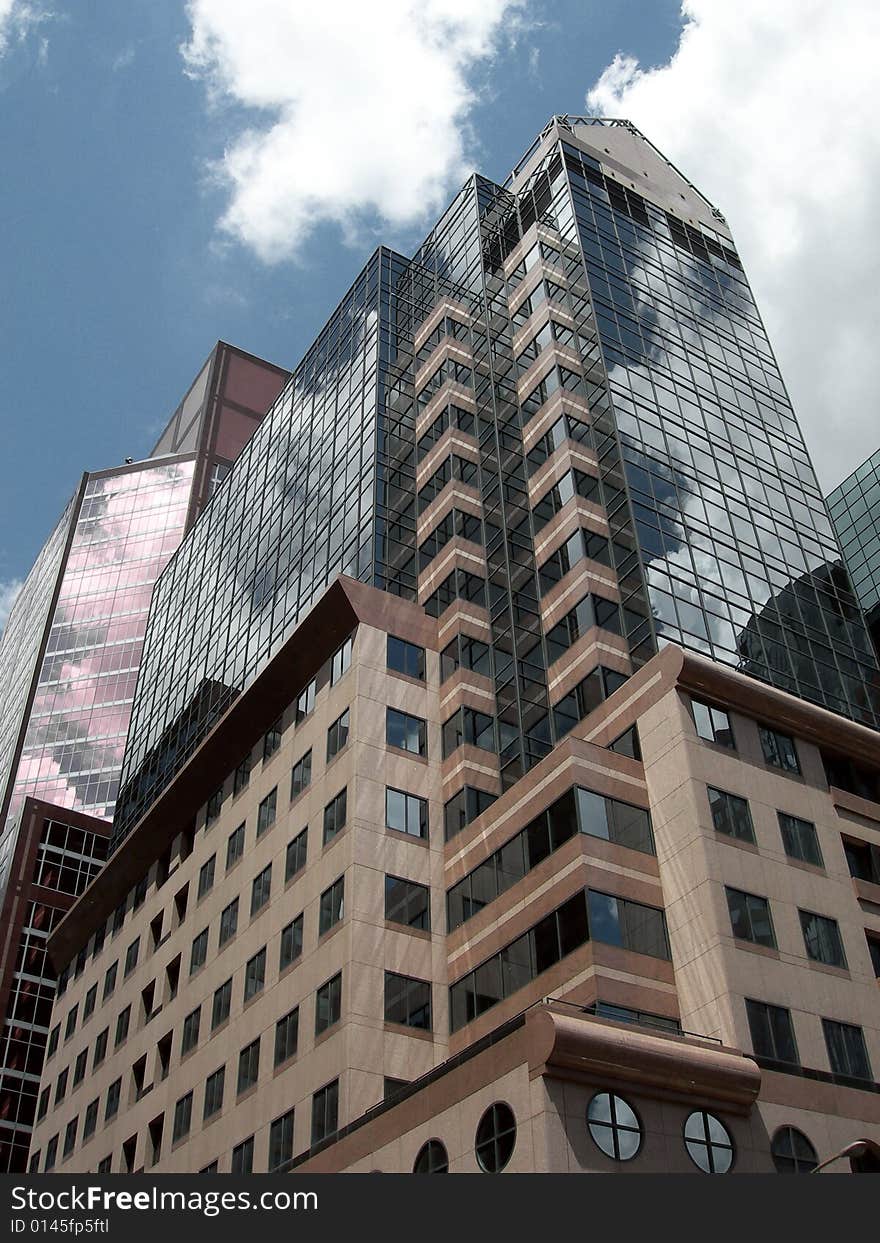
799, 839
847, 1054
750, 917
410, 733
406, 813
713, 724
407, 658
779, 750
407, 903
731, 815
407, 1001
822, 939
772, 1032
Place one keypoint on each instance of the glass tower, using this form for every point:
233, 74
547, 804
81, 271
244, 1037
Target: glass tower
854, 506
560, 427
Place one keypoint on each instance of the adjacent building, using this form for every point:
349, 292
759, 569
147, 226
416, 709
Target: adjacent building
501, 782
854, 506
71, 650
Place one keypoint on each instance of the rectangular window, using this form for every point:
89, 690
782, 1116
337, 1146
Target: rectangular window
52, 1044
464, 807
79, 1067
731, 815
61, 1086
772, 1032
750, 917
291, 942
242, 775
407, 903
89, 1003
406, 658
272, 740
235, 846
70, 1137
221, 1004
286, 1036
862, 859
341, 660
182, 1118
467, 727
105, 1165
229, 921
847, 1054
266, 812
301, 775
255, 974
713, 724
109, 980
874, 950
90, 1121
597, 816
101, 1047
43, 1106
328, 1004
631, 925
281, 1140
191, 1025
51, 1150
214, 1093
325, 1112
206, 876
407, 1001
295, 859
261, 889
243, 1157
407, 813
334, 816
112, 1106
248, 1066
332, 906
305, 703
70, 1025
199, 952
122, 1026
799, 839
779, 750
131, 956
822, 939
214, 806
337, 736
410, 733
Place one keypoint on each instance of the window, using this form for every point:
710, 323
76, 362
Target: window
214, 1093
70, 1025
61, 1086
291, 942
407, 813
407, 903
109, 980
468, 727
847, 1054
242, 775
297, 850
105, 1165
874, 950
229, 921
772, 1032
792, 1152
286, 1036
334, 816
407, 1001
432, 1159
328, 1004
281, 1140
122, 1026
332, 906
708, 1143
199, 951
410, 733
206, 877
614, 1126
235, 846
191, 1025
325, 1112
182, 1117
406, 658
89, 1003
731, 815
301, 775
261, 889
255, 974
598, 816
496, 1138
799, 839
822, 939
249, 1066
90, 1121
341, 660
214, 805
464, 807
266, 812
79, 1067
305, 703
243, 1157
863, 860
112, 1106
221, 1004
337, 735
713, 724
750, 917
392, 1087
51, 1150
631, 925
43, 1106
52, 1043
779, 750
272, 740
100, 1047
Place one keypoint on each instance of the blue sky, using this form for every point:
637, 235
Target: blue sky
148, 208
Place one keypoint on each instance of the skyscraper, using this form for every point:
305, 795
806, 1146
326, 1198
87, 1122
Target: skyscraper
854, 506
500, 781
69, 660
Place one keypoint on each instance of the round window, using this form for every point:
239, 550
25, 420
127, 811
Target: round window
614, 1126
792, 1152
432, 1159
708, 1143
496, 1137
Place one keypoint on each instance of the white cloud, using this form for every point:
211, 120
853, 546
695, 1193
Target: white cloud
770, 109
17, 17
357, 109
9, 589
